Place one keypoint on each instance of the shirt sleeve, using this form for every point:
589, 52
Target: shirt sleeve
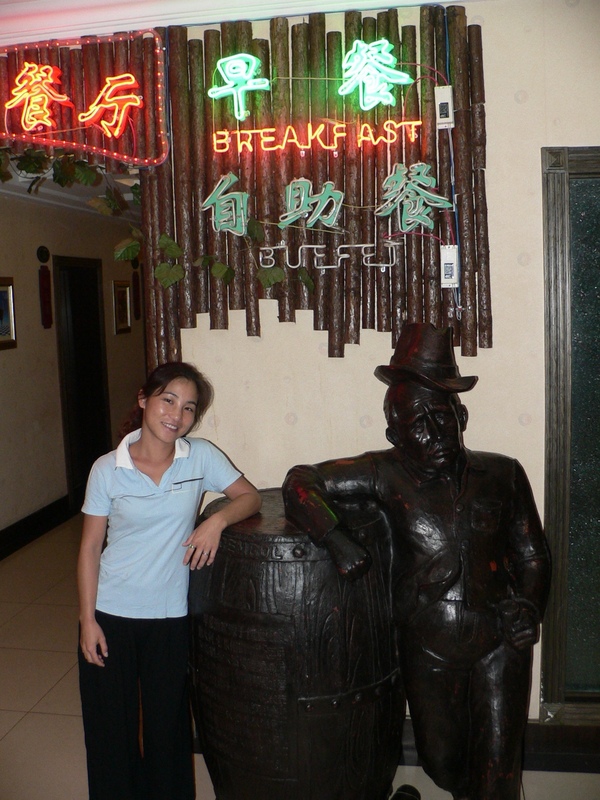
97, 500
219, 472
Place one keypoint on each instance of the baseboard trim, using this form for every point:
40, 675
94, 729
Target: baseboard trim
29, 528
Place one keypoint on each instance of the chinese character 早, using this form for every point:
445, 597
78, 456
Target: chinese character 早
239, 72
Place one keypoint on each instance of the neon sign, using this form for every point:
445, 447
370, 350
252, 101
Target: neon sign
36, 90
230, 209
117, 106
409, 189
300, 202
238, 72
371, 68
327, 135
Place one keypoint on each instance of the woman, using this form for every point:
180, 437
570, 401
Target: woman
143, 499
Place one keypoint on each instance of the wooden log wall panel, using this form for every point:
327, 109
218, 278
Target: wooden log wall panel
463, 172
354, 285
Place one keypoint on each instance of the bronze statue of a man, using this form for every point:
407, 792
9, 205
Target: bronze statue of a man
470, 566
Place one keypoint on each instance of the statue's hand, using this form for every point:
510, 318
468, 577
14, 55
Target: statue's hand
351, 560
520, 623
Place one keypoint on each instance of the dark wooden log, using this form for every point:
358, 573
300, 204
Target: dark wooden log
382, 228
431, 245
92, 86
461, 136
198, 177
335, 111
484, 298
248, 184
141, 62
280, 68
148, 186
179, 93
398, 276
367, 216
14, 66
318, 105
266, 202
216, 166
235, 244
106, 50
447, 217
301, 159
412, 154
76, 93
484, 294
4, 96
66, 112
353, 195
120, 65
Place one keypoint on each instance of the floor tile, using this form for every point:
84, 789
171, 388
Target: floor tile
28, 675
63, 698
63, 593
8, 610
43, 758
8, 720
42, 627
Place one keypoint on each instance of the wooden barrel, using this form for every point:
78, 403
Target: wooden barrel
296, 690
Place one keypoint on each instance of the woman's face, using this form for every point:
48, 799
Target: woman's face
170, 412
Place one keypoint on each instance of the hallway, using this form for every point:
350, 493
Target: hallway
42, 755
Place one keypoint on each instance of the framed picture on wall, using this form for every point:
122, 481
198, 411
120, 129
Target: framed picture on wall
8, 331
122, 306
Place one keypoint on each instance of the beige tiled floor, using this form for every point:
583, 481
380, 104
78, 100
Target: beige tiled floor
42, 754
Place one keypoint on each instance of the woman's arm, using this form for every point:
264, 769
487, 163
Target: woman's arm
245, 501
92, 637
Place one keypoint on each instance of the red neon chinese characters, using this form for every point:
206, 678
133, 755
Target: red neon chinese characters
116, 109
34, 90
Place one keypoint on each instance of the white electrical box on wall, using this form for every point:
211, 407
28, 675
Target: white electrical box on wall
444, 107
449, 271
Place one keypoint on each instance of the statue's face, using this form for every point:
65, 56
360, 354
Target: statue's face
426, 425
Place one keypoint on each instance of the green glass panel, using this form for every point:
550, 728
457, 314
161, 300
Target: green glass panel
583, 620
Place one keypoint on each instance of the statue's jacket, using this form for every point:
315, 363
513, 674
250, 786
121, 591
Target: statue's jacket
483, 536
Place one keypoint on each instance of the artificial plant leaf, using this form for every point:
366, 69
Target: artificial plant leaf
304, 276
87, 175
127, 249
256, 231
100, 204
222, 271
169, 246
32, 162
63, 171
136, 233
168, 274
136, 191
269, 277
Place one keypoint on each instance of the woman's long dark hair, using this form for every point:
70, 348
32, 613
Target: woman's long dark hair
158, 380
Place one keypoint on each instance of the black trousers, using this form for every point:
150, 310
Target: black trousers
468, 694
147, 664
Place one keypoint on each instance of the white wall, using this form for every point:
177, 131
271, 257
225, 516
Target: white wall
281, 401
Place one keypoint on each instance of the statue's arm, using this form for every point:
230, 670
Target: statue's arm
310, 494
530, 566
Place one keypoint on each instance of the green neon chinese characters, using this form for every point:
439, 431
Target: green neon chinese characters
409, 189
371, 69
239, 72
301, 202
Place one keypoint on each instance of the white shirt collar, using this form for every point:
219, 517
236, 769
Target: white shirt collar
123, 457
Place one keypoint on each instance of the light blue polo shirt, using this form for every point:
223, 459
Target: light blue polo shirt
141, 568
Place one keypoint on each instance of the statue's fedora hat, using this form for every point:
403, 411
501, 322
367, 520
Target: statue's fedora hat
425, 354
